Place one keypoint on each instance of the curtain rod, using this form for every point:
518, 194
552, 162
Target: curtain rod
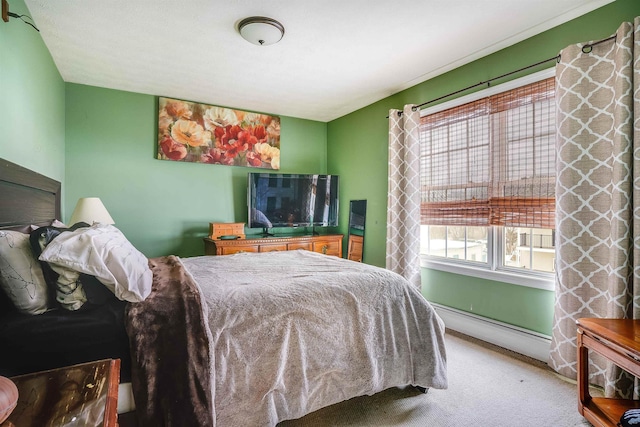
585, 49
488, 82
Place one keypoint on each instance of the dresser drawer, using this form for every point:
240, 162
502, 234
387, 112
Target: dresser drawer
272, 248
328, 247
307, 246
228, 250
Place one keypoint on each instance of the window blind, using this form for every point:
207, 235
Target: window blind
491, 161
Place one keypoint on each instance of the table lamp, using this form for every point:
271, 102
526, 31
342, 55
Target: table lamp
90, 210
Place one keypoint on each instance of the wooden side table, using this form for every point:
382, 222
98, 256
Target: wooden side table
85, 394
354, 248
619, 341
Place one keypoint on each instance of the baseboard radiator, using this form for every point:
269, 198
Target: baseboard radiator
514, 338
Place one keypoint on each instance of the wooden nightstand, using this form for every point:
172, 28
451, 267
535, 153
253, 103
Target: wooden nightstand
619, 341
85, 394
354, 248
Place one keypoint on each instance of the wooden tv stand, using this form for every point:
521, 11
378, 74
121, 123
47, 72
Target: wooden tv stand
619, 341
329, 244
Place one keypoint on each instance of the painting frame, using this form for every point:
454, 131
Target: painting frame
202, 133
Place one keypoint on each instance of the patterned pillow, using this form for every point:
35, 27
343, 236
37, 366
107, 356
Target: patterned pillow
73, 290
20, 274
69, 290
104, 252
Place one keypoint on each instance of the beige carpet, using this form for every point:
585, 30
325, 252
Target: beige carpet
487, 388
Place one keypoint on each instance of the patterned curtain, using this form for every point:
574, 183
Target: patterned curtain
597, 196
403, 204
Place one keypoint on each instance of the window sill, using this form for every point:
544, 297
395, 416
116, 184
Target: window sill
543, 281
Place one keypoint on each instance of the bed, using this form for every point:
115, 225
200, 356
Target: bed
253, 339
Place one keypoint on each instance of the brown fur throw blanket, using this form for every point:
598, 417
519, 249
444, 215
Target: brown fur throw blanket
171, 372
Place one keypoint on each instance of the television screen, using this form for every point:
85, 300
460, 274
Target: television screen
290, 200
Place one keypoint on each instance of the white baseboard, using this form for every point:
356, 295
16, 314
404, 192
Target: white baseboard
514, 338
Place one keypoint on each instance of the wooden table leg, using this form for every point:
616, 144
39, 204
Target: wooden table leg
583, 374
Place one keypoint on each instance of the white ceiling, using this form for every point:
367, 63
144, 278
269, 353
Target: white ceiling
336, 55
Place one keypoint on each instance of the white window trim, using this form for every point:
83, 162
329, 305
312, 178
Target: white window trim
538, 281
544, 281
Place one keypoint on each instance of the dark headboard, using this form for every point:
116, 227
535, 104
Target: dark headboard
27, 197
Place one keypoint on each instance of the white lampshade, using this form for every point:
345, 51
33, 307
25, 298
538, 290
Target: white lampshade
90, 210
261, 30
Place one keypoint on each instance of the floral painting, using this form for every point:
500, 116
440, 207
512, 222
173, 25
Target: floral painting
191, 132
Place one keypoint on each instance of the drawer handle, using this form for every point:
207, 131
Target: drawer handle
324, 249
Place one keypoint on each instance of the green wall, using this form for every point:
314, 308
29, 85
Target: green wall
163, 207
357, 151
32, 104
101, 142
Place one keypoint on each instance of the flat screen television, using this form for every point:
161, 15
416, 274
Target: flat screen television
292, 200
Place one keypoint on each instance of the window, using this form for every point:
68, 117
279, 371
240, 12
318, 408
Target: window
488, 180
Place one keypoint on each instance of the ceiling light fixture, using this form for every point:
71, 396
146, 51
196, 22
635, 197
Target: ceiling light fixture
261, 30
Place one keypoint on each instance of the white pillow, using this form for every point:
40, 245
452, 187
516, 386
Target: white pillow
21, 276
102, 251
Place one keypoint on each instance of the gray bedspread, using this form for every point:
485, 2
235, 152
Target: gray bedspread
292, 332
